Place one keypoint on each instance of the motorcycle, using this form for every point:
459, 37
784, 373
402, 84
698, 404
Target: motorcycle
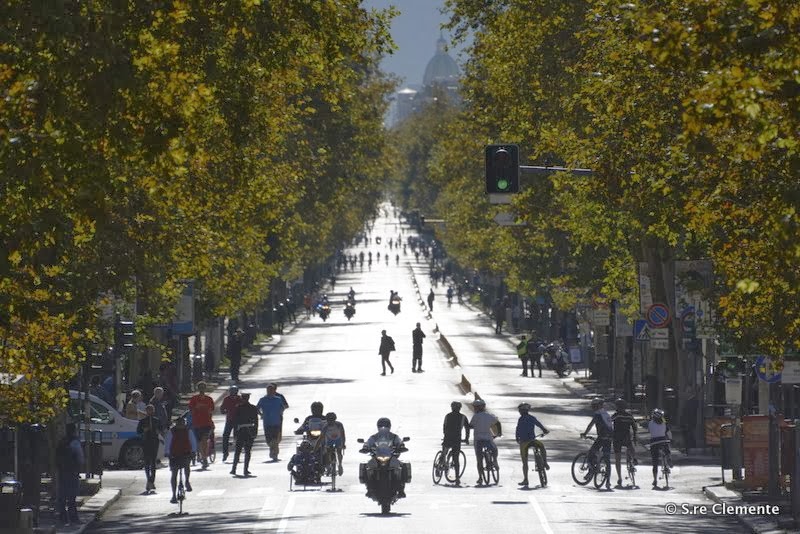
557, 359
324, 311
394, 305
384, 474
349, 310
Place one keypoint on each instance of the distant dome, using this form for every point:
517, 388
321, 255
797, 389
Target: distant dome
441, 68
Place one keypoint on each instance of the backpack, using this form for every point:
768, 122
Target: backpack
391, 344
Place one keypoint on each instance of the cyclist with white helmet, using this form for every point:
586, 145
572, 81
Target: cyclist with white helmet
526, 437
482, 424
601, 420
660, 436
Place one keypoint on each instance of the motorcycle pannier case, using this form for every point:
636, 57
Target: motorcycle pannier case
362, 473
406, 472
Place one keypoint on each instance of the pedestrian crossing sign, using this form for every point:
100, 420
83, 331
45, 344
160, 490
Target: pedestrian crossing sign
640, 331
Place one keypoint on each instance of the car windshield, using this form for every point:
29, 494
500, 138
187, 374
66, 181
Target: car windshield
99, 414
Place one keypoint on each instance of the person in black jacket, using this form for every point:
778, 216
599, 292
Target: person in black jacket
386, 348
150, 429
246, 429
417, 335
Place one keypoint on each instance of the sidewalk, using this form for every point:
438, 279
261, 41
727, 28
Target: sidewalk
481, 350
90, 507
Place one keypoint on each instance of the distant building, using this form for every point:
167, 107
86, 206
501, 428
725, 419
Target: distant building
441, 76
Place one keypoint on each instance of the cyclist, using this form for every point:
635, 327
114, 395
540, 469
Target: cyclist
660, 436
602, 423
482, 423
179, 445
526, 437
333, 432
624, 434
454, 422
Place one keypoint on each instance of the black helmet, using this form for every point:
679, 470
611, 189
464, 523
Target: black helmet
305, 445
316, 408
455, 405
384, 422
524, 407
620, 404
330, 416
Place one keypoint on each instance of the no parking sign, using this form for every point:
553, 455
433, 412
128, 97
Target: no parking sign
658, 315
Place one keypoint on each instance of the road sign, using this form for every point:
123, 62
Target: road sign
640, 332
657, 315
659, 343
506, 218
659, 333
601, 317
791, 372
767, 370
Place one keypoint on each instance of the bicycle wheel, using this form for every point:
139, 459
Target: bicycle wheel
665, 470
436, 473
631, 471
582, 471
493, 469
450, 468
540, 469
334, 469
212, 450
601, 475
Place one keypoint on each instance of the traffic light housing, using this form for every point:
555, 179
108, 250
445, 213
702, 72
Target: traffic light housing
502, 169
124, 337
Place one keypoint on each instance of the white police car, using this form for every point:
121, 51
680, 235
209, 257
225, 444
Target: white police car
121, 444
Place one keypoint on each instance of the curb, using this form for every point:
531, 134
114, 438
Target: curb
755, 524
98, 503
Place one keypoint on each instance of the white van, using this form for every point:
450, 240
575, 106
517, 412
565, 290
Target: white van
121, 444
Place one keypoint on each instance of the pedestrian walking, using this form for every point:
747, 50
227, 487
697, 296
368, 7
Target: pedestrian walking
522, 354
228, 407
270, 408
386, 348
202, 408
179, 445
285, 407
161, 406
235, 353
417, 335
150, 429
499, 315
290, 310
246, 423
430, 299
69, 463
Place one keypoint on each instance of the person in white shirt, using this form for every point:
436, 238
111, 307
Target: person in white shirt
482, 424
660, 436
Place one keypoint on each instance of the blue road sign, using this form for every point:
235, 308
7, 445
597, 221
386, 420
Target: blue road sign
639, 327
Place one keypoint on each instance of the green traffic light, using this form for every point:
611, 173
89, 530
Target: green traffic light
502, 184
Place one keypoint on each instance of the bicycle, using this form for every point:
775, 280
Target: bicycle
539, 463
630, 467
663, 461
586, 468
332, 466
445, 465
181, 493
212, 450
491, 469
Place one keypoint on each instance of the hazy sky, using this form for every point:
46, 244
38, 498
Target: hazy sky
415, 31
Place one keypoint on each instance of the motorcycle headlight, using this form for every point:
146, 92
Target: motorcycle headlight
315, 433
383, 459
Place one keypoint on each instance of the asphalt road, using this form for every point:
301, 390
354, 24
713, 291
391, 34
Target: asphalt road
336, 362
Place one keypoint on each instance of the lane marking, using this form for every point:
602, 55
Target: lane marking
540, 514
287, 512
210, 493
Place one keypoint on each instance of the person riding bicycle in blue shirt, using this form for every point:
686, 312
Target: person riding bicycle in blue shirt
601, 420
482, 423
333, 434
454, 423
526, 437
660, 436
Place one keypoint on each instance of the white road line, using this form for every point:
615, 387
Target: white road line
266, 512
540, 513
210, 493
287, 512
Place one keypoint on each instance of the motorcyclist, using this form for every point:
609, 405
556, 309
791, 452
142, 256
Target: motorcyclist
384, 433
351, 294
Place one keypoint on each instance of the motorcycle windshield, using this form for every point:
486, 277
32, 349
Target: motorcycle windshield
384, 447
